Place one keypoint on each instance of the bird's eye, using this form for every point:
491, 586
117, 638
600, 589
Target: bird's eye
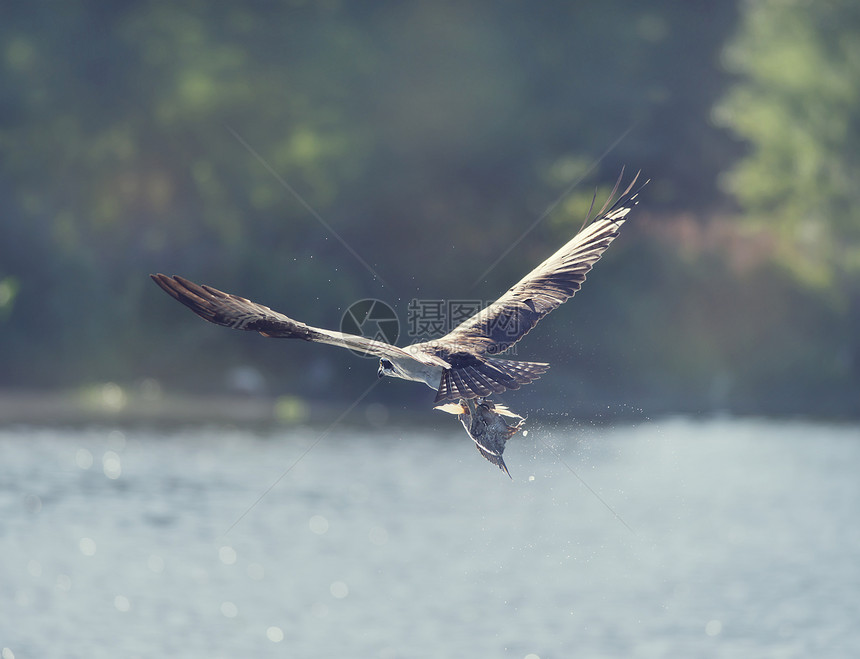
386, 364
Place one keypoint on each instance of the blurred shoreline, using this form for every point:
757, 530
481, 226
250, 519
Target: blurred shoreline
111, 404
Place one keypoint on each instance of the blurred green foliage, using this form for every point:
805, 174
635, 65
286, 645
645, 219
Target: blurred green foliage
797, 105
144, 136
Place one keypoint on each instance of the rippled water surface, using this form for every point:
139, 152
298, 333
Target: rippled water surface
745, 543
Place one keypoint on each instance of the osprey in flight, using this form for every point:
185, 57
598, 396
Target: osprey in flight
464, 364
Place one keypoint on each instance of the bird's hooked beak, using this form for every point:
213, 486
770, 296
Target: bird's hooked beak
380, 373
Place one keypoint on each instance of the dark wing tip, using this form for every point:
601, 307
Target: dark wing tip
167, 284
193, 296
626, 198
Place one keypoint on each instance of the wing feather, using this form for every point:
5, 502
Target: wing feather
239, 313
462, 385
486, 386
514, 314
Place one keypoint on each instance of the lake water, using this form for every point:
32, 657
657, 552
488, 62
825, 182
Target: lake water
745, 542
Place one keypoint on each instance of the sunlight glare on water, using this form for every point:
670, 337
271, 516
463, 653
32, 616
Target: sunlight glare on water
83, 458
111, 465
318, 524
227, 555
385, 544
87, 546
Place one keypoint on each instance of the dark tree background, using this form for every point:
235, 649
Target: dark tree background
157, 136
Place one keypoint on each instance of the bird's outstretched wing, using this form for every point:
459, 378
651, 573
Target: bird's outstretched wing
508, 319
238, 313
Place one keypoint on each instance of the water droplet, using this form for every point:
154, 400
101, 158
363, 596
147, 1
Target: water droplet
111, 465
318, 524
229, 610
339, 590
227, 555
121, 603
83, 458
87, 546
713, 628
275, 634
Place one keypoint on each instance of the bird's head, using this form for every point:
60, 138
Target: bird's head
385, 368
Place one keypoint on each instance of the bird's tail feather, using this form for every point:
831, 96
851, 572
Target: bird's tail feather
520, 372
489, 376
